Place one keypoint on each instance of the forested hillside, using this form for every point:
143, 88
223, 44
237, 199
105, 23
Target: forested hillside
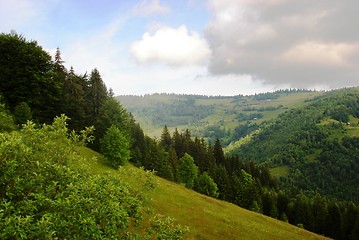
308, 142
318, 143
49, 191
226, 117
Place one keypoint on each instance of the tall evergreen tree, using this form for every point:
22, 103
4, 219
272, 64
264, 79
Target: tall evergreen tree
95, 96
74, 99
178, 143
218, 152
174, 161
166, 140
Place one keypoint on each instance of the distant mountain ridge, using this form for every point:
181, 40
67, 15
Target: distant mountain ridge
210, 116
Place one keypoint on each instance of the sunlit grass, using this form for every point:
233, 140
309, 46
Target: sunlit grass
281, 171
206, 217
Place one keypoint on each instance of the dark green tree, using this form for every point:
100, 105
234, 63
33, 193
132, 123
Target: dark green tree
334, 221
22, 113
165, 169
74, 99
174, 161
27, 75
220, 176
166, 140
111, 113
355, 231
178, 143
218, 152
96, 95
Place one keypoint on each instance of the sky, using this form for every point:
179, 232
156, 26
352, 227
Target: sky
208, 47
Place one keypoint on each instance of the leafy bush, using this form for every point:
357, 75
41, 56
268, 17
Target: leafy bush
187, 171
6, 121
43, 197
206, 185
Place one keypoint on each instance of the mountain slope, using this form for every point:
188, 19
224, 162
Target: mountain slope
207, 218
319, 143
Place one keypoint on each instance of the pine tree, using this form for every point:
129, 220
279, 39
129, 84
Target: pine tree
166, 140
218, 152
95, 96
333, 222
165, 167
174, 161
178, 143
74, 99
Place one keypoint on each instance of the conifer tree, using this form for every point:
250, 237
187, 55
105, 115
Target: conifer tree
218, 152
178, 143
95, 96
166, 140
174, 161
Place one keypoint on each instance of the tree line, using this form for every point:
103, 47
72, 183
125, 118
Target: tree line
248, 185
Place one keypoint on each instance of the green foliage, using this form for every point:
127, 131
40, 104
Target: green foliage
247, 117
206, 185
26, 76
43, 197
95, 96
164, 228
316, 145
6, 121
187, 171
22, 113
115, 147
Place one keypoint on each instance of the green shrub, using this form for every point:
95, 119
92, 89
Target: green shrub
115, 147
42, 197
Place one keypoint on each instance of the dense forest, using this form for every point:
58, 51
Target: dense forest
319, 143
41, 194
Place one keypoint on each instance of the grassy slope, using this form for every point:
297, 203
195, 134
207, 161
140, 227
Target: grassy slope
206, 217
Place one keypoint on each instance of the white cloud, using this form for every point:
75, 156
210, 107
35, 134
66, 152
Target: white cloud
146, 8
175, 46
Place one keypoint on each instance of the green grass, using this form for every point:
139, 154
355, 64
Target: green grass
281, 171
207, 218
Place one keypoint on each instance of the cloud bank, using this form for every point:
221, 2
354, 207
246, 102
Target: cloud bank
297, 42
174, 46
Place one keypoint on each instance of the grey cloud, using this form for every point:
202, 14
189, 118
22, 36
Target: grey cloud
297, 42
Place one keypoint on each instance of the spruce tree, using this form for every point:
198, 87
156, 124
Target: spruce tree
166, 140
218, 152
95, 96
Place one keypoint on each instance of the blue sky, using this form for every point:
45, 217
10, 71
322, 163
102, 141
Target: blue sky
211, 47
